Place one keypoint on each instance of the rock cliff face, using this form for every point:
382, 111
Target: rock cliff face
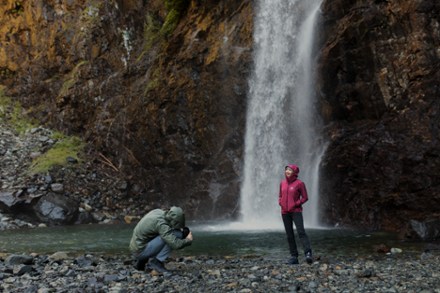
159, 89
379, 72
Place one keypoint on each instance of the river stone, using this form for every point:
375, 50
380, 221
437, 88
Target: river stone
7, 200
71, 160
57, 256
34, 155
43, 138
56, 209
48, 179
85, 218
22, 269
15, 259
84, 261
57, 187
111, 278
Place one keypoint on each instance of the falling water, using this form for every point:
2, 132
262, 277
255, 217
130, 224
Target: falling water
282, 125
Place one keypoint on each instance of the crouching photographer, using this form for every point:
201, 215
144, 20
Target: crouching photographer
156, 235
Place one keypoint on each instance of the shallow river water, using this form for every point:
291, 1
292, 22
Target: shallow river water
208, 240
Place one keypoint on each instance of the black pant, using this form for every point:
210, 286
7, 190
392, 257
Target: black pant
297, 218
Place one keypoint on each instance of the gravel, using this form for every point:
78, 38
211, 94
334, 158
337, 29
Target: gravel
61, 272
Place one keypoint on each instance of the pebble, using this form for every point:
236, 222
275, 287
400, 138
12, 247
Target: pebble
115, 273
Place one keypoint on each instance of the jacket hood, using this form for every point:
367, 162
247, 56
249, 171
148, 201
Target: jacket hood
295, 173
175, 217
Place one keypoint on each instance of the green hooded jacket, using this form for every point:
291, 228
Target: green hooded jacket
159, 222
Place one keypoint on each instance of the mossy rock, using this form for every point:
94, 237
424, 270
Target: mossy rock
64, 148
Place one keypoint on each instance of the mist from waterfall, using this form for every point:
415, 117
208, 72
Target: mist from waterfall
282, 124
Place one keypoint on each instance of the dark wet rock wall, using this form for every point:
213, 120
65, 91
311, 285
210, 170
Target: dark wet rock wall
158, 88
379, 72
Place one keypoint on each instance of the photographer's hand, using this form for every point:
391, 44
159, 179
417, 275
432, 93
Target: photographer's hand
190, 236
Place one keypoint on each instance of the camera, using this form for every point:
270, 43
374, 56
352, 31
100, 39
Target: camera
185, 232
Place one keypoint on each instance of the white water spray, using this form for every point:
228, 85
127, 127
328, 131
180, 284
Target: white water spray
282, 125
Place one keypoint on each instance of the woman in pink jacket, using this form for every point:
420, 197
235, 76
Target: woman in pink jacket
293, 195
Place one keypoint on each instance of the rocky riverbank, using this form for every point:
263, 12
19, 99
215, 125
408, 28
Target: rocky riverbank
85, 191
96, 273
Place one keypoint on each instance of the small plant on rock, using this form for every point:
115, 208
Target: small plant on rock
65, 147
175, 8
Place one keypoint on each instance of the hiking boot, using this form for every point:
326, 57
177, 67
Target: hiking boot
158, 266
293, 261
140, 264
309, 258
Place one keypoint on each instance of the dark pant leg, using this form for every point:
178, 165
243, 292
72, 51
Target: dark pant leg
156, 248
288, 226
152, 249
299, 224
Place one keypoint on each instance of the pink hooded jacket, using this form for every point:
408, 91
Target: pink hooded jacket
293, 193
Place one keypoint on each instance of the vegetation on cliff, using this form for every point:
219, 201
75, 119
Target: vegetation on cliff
12, 112
175, 8
66, 148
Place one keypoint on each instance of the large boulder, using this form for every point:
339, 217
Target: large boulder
7, 201
19, 203
56, 209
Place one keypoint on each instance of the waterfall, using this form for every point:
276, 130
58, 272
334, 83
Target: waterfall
282, 125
